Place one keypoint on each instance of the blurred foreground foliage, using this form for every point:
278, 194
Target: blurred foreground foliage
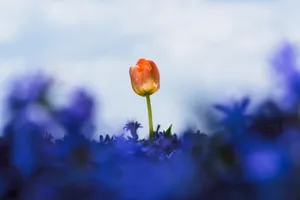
253, 155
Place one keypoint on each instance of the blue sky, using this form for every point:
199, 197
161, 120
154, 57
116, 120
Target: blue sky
206, 49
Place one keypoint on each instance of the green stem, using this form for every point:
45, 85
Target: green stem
151, 133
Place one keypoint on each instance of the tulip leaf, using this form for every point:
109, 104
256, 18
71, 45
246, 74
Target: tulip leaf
168, 131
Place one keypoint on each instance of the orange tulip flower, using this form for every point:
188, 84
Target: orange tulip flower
144, 77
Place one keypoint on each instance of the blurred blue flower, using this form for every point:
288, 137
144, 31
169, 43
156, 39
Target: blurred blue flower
268, 120
264, 163
29, 89
235, 119
285, 63
78, 117
284, 58
133, 127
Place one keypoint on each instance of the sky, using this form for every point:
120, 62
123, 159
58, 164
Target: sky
206, 51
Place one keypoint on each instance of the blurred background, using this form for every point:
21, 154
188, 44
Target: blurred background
206, 50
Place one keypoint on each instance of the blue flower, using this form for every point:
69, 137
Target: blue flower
235, 118
133, 127
264, 163
285, 63
284, 59
29, 89
78, 116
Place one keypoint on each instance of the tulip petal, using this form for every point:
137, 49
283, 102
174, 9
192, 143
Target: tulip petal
145, 68
135, 77
155, 74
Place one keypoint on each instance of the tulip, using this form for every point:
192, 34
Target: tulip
145, 81
144, 77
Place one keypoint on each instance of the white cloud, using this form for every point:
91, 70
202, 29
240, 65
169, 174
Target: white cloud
10, 20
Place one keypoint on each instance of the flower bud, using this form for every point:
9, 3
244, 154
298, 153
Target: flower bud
144, 77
